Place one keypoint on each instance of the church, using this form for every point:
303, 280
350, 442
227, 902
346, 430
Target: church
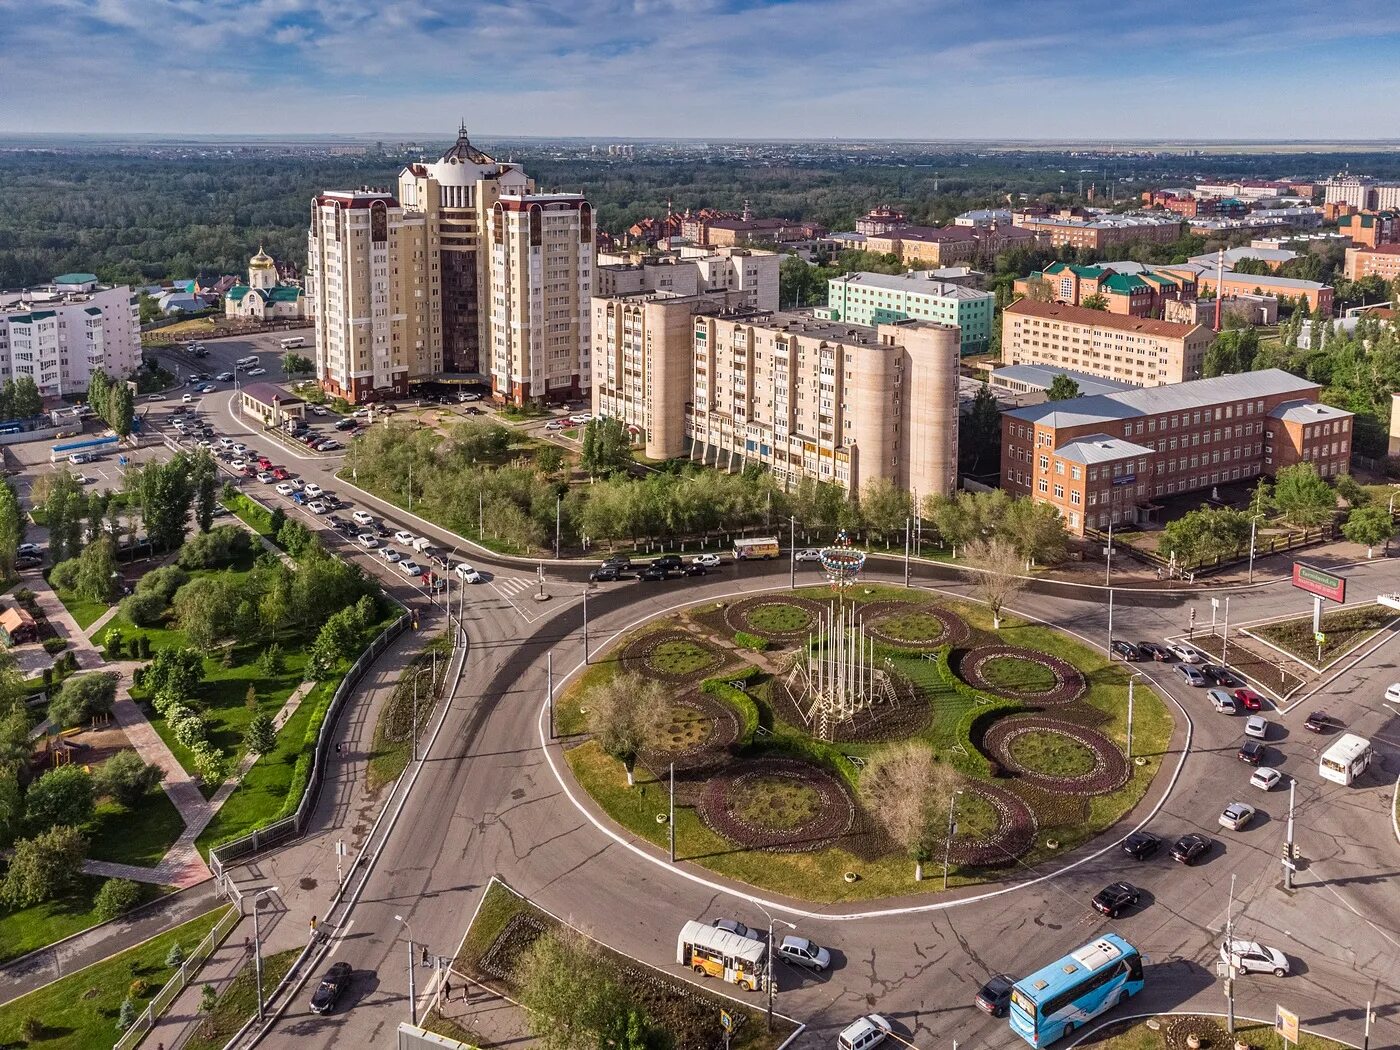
264, 298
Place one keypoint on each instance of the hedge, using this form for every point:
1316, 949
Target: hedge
301, 772
816, 751
740, 701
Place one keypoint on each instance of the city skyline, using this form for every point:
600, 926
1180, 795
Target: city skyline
718, 69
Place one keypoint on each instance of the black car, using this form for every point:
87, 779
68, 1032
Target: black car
1141, 844
345, 424
667, 563
653, 573
1127, 650
381, 530
995, 995
1191, 848
605, 574
28, 561
1319, 722
335, 521
331, 988
695, 570
1252, 752
1152, 649
1115, 898
617, 561
1219, 675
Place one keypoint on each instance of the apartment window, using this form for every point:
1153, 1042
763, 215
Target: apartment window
1042, 485
1074, 497
1074, 473
1044, 462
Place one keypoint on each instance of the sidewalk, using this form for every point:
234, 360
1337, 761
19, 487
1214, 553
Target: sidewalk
89, 659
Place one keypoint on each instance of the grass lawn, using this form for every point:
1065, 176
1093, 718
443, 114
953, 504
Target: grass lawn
84, 611
79, 1012
252, 515
912, 626
138, 836
678, 656
1135, 1035
779, 618
393, 740
238, 1003
1016, 675
1052, 753
27, 929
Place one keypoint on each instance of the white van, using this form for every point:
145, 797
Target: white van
251, 361
422, 543
1346, 759
296, 342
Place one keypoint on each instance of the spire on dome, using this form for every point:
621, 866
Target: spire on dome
463, 151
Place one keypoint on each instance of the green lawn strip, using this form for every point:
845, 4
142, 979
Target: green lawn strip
445, 1026
1052, 753
392, 745
28, 929
501, 904
1345, 629
1016, 675
79, 1012
251, 514
81, 609
1135, 1035
139, 836
238, 1002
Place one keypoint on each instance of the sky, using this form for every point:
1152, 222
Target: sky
915, 69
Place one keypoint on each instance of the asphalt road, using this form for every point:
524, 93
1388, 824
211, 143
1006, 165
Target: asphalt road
488, 802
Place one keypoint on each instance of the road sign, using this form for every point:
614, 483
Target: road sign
1320, 638
1286, 1024
1323, 584
726, 1020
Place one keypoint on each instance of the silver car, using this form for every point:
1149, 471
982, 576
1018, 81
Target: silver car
803, 952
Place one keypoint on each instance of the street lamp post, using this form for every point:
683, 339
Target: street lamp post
1253, 529
412, 986
1135, 676
772, 987
257, 945
952, 826
792, 553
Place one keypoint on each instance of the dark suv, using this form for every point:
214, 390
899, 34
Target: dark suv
618, 563
1127, 650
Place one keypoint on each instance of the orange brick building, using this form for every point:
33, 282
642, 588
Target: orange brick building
1381, 261
1371, 229
1133, 294
1108, 457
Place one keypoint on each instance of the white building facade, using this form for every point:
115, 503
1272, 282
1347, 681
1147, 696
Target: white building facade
59, 335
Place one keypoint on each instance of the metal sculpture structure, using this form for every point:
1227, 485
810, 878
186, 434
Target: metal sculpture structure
840, 676
841, 562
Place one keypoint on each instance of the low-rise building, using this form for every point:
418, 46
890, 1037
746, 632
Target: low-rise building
948, 245
1136, 350
1126, 288
59, 334
1098, 231
879, 298
1230, 283
269, 404
1253, 309
1371, 229
1109, 457
880, 220
747, 230
265, 297
1032, 380
1381, 261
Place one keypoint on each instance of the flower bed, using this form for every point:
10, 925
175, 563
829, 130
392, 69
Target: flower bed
914, 626
1012, 836
701, 727
673, 656
1108, 772
773, 618
725, 806
972, 667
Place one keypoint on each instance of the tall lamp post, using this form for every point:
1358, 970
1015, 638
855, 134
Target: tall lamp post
772, 986
257, 944
412, 987
952, 827
432, 691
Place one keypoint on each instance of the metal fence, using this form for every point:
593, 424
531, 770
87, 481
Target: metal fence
1265, 546
182, 979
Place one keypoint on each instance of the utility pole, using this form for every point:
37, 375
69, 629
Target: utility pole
1288, 848
671, 818
1110, 623
1131, 681
480, 515
772, 991
792, 553
585, 623
1225, 637
549, 688
952, 829
558, 505
412, 987
1229, 956
906, 551
257, 946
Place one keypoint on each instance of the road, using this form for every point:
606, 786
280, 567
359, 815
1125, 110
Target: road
488, 803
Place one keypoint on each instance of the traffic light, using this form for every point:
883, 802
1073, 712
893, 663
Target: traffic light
1297, 853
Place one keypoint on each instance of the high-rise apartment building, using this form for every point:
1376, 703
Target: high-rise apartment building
59, 334
541, 281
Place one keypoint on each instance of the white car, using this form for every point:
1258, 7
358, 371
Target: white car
1252, 957
863, 1033
239, 447
390, 555
709, 561
1185, 654
361, 413
555, 424
320, 410
296, 483
1265, 778
1392, 693
466, 573
1256, 726
317, 507
362, 517
238, 464
404, 537
226, 442
1236, 816
257, 371
186, 398
579, 419
266, 477
411, 568
284, 489
313, 489
368, 540
205, 444
155, 397
808, 554
735, 926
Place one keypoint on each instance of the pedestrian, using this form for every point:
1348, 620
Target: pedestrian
446, 990
425, 956
337, 748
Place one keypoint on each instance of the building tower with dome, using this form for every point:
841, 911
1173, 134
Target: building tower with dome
264, 297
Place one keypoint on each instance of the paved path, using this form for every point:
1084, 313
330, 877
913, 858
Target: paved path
100, 622
89, 659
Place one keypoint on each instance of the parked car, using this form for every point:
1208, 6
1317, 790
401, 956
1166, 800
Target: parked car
802, 952
28, 561
1220, 675
390, 555
265, 476
27, 548
1257, 726
1116, 898
1252, 752
995, 996
1249, 699
1392, 693
363, 517
555, 424
1222, 701
617, 561
411, 568
1191, 848
1265, 778
667, 562
1252, 957
331, 988
155, 397
280, 473
808, 554
1127, 650
735, 926
1185, 654
1152, 649
1236, 816
863, 1033
1141, 844
1319, 722
652, 573
404, 537
317, 507
710, 561
345, 424
1192, 676
313, 489
320, 410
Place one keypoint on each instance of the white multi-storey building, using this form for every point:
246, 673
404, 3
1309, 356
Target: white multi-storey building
60, 334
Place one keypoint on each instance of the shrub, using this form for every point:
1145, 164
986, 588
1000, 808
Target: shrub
68, 662
114, 644
82, 697
219, 546
175, 956
126, 777
144, 609
750, 641
55, 645
164, 582
740, 701
65, 575
189, 728
126, 1016
143, 645
116, 897
24, 596
271, 661
210, 763
139, 988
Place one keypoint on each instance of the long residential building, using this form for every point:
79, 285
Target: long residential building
1135, 350
700, 377
751, 273
947, 245
1095, 231
61, 333
1381, 261
1111, 457
878, 298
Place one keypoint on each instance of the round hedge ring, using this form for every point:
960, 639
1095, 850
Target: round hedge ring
1024, 674
1056, 755
671, 656
773, 618
777, 804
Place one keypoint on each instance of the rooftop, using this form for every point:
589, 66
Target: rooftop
266, 393
1307, 412
1100, 448
76, 278
915, 282
1146, 401
1100, 319
1043, 375
1383, 249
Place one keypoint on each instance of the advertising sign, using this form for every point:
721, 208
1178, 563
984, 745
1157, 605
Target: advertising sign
1323, 584
1286, 1024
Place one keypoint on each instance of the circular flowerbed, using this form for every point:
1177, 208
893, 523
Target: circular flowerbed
674, 656
699, 727
773, 618
777, 804
911, 625
1049, 680
994, 827
1060, 761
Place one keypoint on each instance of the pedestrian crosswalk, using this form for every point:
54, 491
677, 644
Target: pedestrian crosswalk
512, 586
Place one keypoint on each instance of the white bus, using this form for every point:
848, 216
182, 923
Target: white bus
759, 547
251, 361
296, 342
1347, 759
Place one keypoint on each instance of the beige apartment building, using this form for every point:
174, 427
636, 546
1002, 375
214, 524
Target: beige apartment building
750, 273
1136, 350
368, 272
541, 283
804, 397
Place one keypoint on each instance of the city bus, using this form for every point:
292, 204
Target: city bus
759, 547
296, 342
1347, 759
88, 446
732, 957
1071, 992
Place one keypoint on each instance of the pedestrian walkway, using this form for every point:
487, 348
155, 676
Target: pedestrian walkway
89, 659
100, 622
492, 1019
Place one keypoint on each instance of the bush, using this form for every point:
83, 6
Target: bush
271, 661
116, 897
55, 645
175, 956
750, 641
139, 988
65, 575
144, 608
126, 777
219, 546
164, 582
24, 596
62, 796
188, 726
114, 644
82, 697
32, 1029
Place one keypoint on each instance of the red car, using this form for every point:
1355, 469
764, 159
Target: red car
264, 463
280, 473
1249, 699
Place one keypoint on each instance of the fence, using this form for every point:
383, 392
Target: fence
1264, 547
189, 969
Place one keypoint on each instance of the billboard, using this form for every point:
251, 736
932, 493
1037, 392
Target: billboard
1323, 584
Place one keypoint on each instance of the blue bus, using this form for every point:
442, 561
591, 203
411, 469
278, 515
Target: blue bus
1070, 992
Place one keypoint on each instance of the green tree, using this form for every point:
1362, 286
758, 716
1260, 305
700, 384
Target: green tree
293, 364
885, 506
606, 446
621, 714
1370, 526
127, 778
261, 735
12, 524
83, 696
121, 409
99, 394
43, 867
165, 494
207, 609
96, 578
61, 796
116, 897
204, 488
1231, 352
1062, 388
571, 1001
979, 433
1303, 496
1097, 301
126, 1014
1036, 530
28, 401
1206, 535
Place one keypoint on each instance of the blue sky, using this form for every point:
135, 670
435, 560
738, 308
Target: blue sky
705, 68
